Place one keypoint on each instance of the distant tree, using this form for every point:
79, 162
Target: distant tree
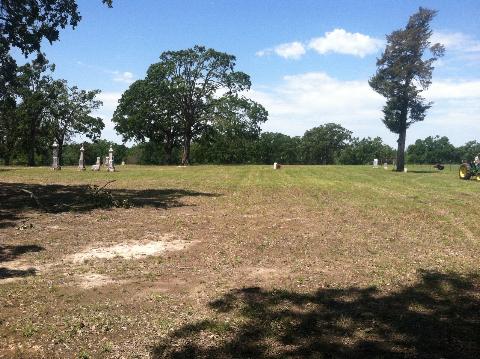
432, 150
403, 73
235, 128
360, 152
276, 147
35, 95
10, 129
322, 144
98, 148
468, 151
69, 114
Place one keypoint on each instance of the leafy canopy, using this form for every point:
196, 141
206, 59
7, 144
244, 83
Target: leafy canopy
403, 72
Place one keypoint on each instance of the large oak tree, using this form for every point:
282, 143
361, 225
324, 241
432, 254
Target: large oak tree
186, 92
198, 79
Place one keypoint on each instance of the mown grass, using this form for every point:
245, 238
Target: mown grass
307, 261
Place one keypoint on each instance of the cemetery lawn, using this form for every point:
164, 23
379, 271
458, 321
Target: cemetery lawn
239, 261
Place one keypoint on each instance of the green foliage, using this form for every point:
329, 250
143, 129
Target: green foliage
468, 151
432, 150
26, 23
277, 147
231, 136
361, 152
69, 114
144, 114
403, 73
322, 144
93, 150
178, 102
35, 94
26, 90
195, 77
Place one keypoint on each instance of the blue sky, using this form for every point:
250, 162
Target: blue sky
309, 61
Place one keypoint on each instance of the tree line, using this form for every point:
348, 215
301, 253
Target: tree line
192, 104
270, 147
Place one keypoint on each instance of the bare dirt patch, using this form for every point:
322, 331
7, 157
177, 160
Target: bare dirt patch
92, 280
130, 250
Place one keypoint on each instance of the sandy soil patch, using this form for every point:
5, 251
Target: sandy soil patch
130, 250
92, 280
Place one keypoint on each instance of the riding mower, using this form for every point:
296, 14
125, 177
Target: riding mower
469, 170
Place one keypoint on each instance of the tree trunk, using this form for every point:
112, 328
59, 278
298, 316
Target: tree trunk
168, 149
401, 150
186, 150
60, 150
32, 139
31, 152
6, 159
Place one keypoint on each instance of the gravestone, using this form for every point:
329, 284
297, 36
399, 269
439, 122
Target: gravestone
105, 162
111, 167
375, 163
96, 166
55, 164
81, 161
385, 166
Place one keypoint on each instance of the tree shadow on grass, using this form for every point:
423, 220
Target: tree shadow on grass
439, 317
6, 273
10, 253
63, 198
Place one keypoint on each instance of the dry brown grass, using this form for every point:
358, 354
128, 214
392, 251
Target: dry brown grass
302, 262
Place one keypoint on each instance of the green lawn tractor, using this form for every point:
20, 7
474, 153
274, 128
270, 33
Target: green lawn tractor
469, 170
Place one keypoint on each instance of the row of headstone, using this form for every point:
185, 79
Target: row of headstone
109, 164
375, 164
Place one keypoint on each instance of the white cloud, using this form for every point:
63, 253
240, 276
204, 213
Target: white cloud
456, 41
264, 52
110, 102
307, 100
291, 50
344, 42
125, 77
337, 41
454, 89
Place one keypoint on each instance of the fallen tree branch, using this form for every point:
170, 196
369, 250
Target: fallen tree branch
105, 185
32, 195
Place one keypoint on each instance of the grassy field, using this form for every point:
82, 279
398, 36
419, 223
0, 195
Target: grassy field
239, 261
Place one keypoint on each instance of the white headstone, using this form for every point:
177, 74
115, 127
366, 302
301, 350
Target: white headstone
385, 166
275, 164
55, 164
111, 167
81, 162
375, 163
96, 166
